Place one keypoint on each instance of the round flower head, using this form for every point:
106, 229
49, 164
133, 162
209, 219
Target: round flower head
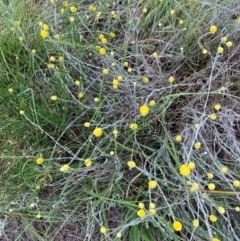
221, 210
155, 54
144, 110
195, 223
64, 168
216, 239
141, 205
185, 170
152, 184
141, 213
210, 175
152, 205
53, 97
197, 145
191, 165
220, 50
180, 22
171, 79
39, 160
213, 29
97, 132
88, 162
213, 117
211, 186
145, 79
115, 132
73, 9
43, 33
177, 226
213, 218
131, 164
224, 170
119, 235
10, 90
229, 44
105, 71
237, 209
152, 102
102, 51
217, 107
80, 95
236, 183
119, 78
178, 138
144, 10
87, 124
133, 126
204, 51
71, 19
104, 40
224, 39
152, 211
103, 230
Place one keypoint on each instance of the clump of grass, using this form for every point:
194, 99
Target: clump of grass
119, 120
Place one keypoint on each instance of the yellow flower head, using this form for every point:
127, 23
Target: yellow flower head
77, 83
115, 132
195, 223
73, 9
141, 213
80, 95
177, 226
104, 40
118, 235
105, 71
64, 168
229, 44
131, 164
155, 54
133, 126
221, 210
236, 183
220, 50
217, 107
87, 124
178, 138
103, 230
211, 186
145, 79
53, 97
152, 211
152, 205
102, 51
213, 29
216, 239
180, 22
224, 39
204, 51
152, 103
40, 161
224, 170
144, 10
45, 27
191, 165
197, 145
171, 79
152, 184
185, 170
213, 117
119, 78
213, 218
88, 162
71, 19
210, 175
237, 209
141, 205
43, 34
97, 132
144, 110
10, 90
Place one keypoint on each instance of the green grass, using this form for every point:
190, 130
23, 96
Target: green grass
42, 202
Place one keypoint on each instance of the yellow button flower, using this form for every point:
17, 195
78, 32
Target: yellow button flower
211, 186
195, 223
213, 29
141, 213
87, 124
213, 218
155, 54
64, 168
221, 210
191, 165
177, 226
133, 126
144, 110
97, 132
213, 117
80, 95
220, 50
88, 162
236, 183
224, 170
145, 79
102, 51
105, 71
73, 9
43, 34
171, 79
197, 145
152, 184
217, 107
185, 170
204, 51
53, 97
178, 138
131, 164
40, 161
210, 175
229, 44
103, 230
141, 205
